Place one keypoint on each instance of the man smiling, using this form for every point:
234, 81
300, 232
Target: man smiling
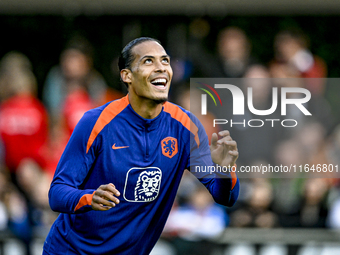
148, 78
118, 176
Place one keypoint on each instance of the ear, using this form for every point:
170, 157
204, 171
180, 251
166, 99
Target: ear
126, 75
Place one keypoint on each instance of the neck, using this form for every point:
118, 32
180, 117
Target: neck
146, 108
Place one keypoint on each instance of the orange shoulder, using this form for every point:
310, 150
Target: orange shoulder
108, 114
178, 114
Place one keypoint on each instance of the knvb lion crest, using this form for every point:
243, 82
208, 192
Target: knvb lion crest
147, 187
169, 146
142, 184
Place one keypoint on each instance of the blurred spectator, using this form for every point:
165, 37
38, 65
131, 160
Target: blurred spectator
292, 111
14, 211
19, 221
34, 182
300, 198
293, 56
234, 52
313, 206
11, 64
195, 222
312, 137
233, 56
290, 152
294, 60
76, 103
58, 138
24, 134
257, 211
248, 137
257, 77
311, 209
75, 71
287, 188
317, 105
23, 121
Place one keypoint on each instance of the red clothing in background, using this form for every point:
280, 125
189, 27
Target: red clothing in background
23, 129
75, 105
318, 70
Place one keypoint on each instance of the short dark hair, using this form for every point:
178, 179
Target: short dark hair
126, 57
81, 44
295, 33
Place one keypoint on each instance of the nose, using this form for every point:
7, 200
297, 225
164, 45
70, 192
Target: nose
160, 67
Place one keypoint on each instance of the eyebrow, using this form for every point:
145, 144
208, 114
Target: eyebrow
149, 56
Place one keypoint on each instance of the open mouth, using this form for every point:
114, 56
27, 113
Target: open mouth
159, 83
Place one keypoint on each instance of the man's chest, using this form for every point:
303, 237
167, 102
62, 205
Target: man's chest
141, 163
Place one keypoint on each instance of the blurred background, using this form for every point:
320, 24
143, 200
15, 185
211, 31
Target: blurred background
58, 59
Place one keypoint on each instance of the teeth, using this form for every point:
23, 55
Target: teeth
159, 81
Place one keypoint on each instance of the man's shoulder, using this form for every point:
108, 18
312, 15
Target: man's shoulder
182, 115
173, 108
108, 110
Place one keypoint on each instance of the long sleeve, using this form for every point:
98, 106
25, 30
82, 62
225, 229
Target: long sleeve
66, 193
223, 190
223, 186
